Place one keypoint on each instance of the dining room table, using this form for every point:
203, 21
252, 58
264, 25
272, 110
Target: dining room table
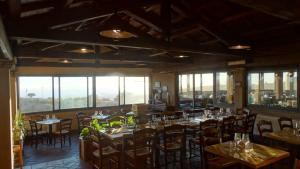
49, 122
258, 156
289, 137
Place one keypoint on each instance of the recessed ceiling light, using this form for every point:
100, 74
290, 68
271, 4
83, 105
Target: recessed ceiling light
181, 56
83, 50
141, 64
240, 47
66, 61
116, 30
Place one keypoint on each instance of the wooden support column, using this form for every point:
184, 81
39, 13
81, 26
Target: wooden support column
5, 120
240, 82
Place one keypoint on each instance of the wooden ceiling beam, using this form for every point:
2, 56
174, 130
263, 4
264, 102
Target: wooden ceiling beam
139, 56
237, 16
14, 8
147, 18
93, 38
89, 65
4, 44
287, 10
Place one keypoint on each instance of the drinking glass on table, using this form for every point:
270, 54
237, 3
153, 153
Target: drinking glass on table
237, 139
47, 116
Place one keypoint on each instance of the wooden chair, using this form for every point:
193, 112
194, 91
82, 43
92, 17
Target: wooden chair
64, 130
103, 151
227, 128
211, 135
264, 127
37, 134
82, 120
141, 148
196, 143
173, 142
247, 125
285, 122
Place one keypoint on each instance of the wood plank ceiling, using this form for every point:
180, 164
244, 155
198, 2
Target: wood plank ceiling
52, 32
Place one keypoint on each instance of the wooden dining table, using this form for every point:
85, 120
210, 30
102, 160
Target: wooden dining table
258, 157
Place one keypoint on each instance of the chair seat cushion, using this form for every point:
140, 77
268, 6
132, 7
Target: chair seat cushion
106, 151
170, 146
62, 132
141, 152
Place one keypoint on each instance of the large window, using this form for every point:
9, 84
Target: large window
273, 89
107, 91
204, 89
73, 92
35, 94
197, 90
135, 90
186, 90
48, 93
224, 87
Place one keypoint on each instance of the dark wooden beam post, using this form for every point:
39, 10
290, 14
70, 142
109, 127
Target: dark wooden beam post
14, 9
165, 11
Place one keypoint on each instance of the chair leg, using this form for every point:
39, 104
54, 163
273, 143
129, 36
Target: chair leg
166, 160
70, 140
190, 149
61, 141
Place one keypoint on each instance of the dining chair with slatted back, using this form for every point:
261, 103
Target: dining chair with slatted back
80, 117
140, 148
64, 130
227, 128
211, 136
264, 127
36, 133
285, 122
249, 124
196, 143
173, 141
103, 151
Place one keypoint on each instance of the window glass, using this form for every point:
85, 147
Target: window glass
146, 90
122, 90
107, 91
273, 89
224, 87
186, 88
35, 94
134, 90
73, 92
90, 91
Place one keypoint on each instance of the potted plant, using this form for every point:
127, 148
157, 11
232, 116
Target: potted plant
18, 128
85, 145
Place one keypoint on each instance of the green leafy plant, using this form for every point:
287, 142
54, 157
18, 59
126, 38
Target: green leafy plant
116, 123
84, 133
95, 125
130, 121
18, 127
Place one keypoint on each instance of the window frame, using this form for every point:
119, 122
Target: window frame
214, 86
93, 76
273, 70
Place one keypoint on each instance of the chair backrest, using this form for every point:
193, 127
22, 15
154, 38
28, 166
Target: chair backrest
209, 123
96, 139
249, 123
174, 134
227, 127
210, 136
33, 127
285, 122
264, 126
65, 124
144, 138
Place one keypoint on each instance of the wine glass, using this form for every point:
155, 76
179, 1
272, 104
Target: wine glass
237, 139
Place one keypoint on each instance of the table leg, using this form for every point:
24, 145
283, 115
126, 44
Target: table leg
50, 134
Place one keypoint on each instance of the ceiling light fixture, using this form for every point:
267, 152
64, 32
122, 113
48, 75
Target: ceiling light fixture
83, 50
117, 34
181, 56
240, 47
66, 61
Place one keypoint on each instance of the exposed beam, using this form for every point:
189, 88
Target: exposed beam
4, 44
93, 38
165, 12
14, 8
237, 16
28, 53
288, 10
147, 18
89, 65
